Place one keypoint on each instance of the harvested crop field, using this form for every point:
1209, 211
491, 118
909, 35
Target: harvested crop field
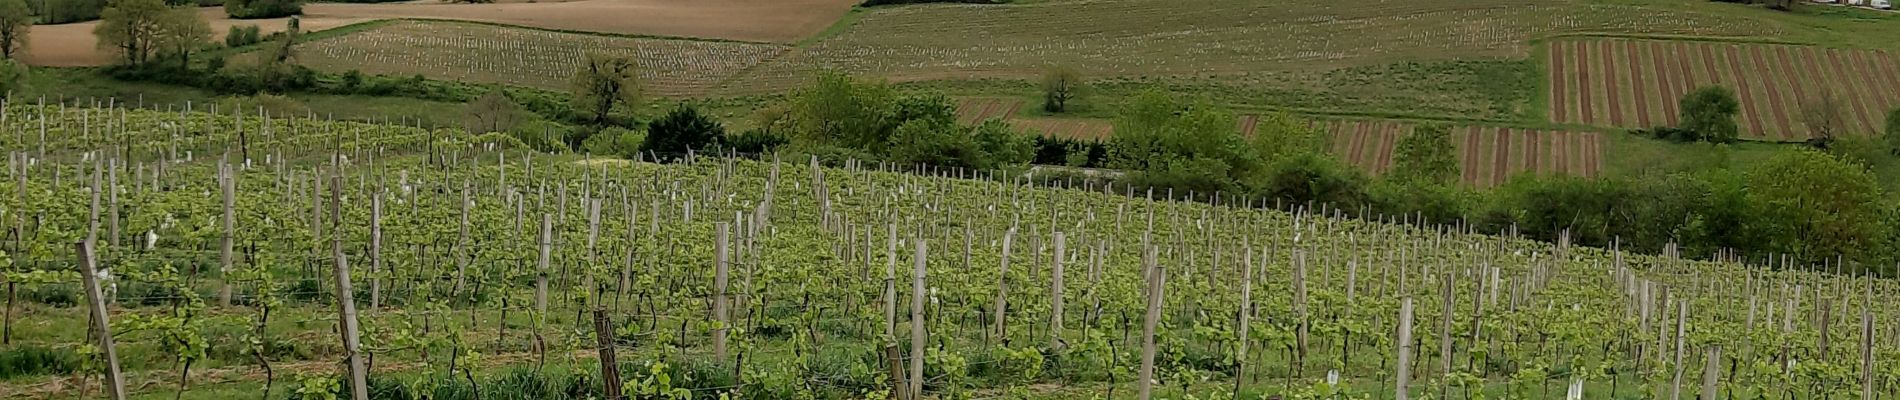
975, 110
1636, 83
1487, 156
73, 45
529, 57
1160, 38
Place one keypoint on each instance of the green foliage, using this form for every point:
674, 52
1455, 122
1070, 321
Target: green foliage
492, 112
258, 9
546, 136
603, 83
240, 36
130, 28
1892, 135
615, 141
1426, 156
1316, 178
681, 130
1165, 141
66, 11
839, 110
16, 21
1709, 112
13, 75
1279, 135
1060, 86
1817, 205
756, 141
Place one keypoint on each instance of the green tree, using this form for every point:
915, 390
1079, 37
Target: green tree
253, 9
681, 130
1002, 146
182, 32
1426, 156
132, 28
1709, 112
1279, 135
15, 22
1180, 144
1822, 115
1892, 135
840, 111
1060, 86
605, 81
492, 112
1816, 206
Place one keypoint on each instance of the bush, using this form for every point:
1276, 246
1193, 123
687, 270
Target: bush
241, 36
615, 141
50, 294
756, 141
259, 9
681, 130
1710, 113
67, 11
31, 360
544, 136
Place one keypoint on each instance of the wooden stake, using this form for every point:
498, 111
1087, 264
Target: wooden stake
917, 335
115, 381
1055, 293
720, 278
1157, 283
1404, 373
345, 302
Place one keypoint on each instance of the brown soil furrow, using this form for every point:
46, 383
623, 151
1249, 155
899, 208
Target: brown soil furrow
1560, 149
1010, 108
1246, 125
1639, 86
1881, 64
1586, 88
1772, 73
1468, 157
1389, 141
1532, 151
1501, 156
1342, 140
1771, 103
1665, 64
1752, 106
1595, 156
1559, 79
1842, 79
1612, 83
1356, 153
1793, 72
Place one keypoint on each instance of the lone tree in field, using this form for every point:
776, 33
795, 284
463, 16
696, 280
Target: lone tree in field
1822, 115
1892, 136
15, 20
1060, 85
181, 32
603, 82
1710, 112
132, 28
1426, 156
685, 128
492, 112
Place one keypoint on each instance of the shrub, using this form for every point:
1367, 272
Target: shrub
681, 130
241, 36
545, 136
259, 9
67, 11
1710, 113
756, 141
615, 141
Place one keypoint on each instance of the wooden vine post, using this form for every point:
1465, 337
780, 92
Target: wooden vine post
345, 301
1002, 287
115, 381
1157, 282
720, 278
1404, 373
227, 184
1246, 313
609, 366
1055, 293
917, 335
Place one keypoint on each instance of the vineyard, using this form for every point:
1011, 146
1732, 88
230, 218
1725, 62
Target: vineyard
975, 110
1207, 38
1487, 156
345, 260
1636, 83
529, 57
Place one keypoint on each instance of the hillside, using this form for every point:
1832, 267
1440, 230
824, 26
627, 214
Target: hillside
473, 265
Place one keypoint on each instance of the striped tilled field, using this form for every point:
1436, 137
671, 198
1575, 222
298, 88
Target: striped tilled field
1488, 156
974, 110
1077, 128
1637, 83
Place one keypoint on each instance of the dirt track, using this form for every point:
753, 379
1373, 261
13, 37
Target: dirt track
780, 21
